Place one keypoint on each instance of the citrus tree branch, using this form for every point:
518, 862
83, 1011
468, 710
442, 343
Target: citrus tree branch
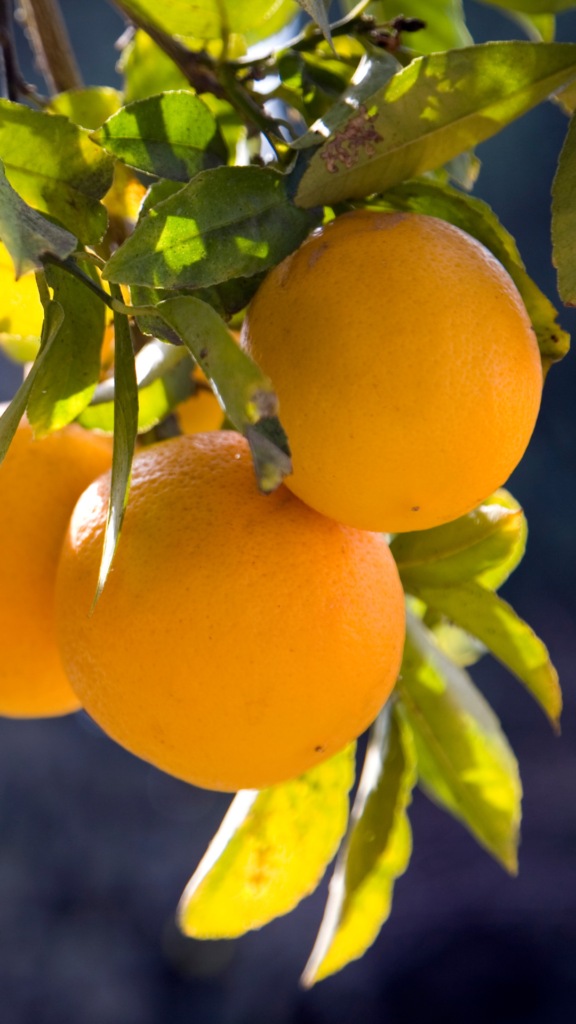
51, 45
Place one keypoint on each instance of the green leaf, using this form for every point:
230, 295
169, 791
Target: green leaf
495, 577
87, 107
56, 168
10, 418
458, 551
269, 853
172, 135
228, 222
533, 6
540, 28
125, 429
244, 392
432, 110
511, 640
163, 375
375, 851
227, 299
318, 11
202, 19
147, 70
464, 760
26, 234
229, 122
476, 218
69, 374
564, 219
458, 645
445, 22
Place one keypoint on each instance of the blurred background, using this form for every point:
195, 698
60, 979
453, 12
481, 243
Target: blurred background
96, 846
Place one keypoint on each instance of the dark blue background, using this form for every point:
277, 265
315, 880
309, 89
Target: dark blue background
96, 846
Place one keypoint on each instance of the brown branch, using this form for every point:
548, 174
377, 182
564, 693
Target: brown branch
197, 67
51, 45
14, 83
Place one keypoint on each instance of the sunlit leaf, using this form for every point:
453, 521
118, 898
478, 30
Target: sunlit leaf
540, 28
245, 393
202, 19
229, 122
436, 107
21, 312
476, 218
12, 415
495, 577
228, 222
318, 11
173, 135
464, 759
26, 234
87, 107
147, 70
270, 852
445, 23
564, 219
375, 851
68, 376
459, 645
461, 550
511, 640
163, 374
55, 167
125, 430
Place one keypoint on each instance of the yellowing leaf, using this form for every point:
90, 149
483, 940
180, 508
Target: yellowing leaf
464, 760
375, 852
270, 852
21, 312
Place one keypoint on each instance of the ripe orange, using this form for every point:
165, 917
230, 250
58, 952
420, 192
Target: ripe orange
202, 411
240, 639
407, 370
40, 482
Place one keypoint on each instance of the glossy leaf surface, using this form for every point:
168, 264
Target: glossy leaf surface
271, 851
203, 18
476, 218
173, 135
56, 168
26, 234
68, 376
435, 108
228, 222
245, 393
87, 107
375, 851
464, 759
511, 640
125, 430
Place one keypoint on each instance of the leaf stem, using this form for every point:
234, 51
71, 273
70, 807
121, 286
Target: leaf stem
51, 45
72, 268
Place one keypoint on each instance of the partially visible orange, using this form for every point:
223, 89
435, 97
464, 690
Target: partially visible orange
202, 411
406, 366
40, 482
240, 639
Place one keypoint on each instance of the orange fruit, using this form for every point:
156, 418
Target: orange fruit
407, 369
240, 639
40, 482
202, 411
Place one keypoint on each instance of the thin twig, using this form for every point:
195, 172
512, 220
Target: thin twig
197, 67
14, 83
51, 45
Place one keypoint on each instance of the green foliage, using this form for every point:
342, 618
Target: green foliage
228, 222
69, 373
564, 219
10, 418
375, 850
125, 430
245, 393
445, 23
429, 112
147, 70
163, 375
173, 135
477, 219
210, 19
56, 168
270, 852
26, 234
88, 107
318, 10
464, 760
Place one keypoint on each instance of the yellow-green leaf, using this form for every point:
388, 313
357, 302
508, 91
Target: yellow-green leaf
271, 851
464, 759
564, 219
87, 107
375, 852
511, 640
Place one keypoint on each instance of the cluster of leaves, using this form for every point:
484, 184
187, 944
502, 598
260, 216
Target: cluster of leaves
370, 122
